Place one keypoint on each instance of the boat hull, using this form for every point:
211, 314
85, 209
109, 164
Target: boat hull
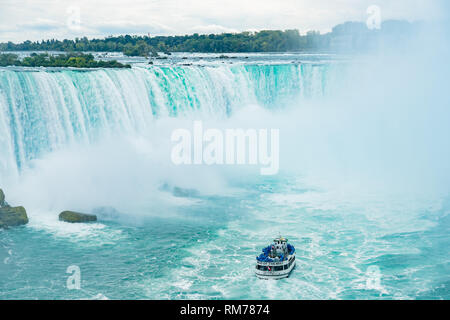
275, 275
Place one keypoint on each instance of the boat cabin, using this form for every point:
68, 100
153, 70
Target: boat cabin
276, 261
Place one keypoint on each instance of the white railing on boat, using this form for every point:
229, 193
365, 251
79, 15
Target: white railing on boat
274, 263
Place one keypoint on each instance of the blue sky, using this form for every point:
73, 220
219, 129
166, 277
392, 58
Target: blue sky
44, 19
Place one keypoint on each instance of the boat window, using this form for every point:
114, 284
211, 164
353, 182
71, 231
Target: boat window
278, 268
262, 268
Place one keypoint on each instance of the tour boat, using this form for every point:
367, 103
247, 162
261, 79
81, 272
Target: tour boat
276, 261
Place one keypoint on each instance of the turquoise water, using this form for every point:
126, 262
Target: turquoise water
208, 252
43, 110
351, 196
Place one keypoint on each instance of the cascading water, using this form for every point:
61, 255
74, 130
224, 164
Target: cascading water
338, 136
42, 110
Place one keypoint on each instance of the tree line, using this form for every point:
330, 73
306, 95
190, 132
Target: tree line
351, 35
75, 60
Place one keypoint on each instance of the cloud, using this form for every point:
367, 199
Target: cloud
40, 25
44, 19
130, 27
37, 25
211, 28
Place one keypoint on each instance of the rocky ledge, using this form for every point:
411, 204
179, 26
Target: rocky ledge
2, 199
11, 216
75, 217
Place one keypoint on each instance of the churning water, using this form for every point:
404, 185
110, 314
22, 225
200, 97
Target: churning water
363, 182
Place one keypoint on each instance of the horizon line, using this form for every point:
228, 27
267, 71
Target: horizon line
148, 35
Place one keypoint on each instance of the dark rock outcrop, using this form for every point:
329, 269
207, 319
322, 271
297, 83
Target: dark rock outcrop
179, 192
11, 217
184, 193
2, 198
75, 217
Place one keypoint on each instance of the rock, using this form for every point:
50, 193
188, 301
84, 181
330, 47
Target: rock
74, 217
10, 217
179, 192
184, 193
2, 198
107, 213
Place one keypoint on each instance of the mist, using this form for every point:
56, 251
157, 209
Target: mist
384, 130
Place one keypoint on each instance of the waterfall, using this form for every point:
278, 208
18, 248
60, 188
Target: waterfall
43, 109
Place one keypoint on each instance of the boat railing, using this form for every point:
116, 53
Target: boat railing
274, 263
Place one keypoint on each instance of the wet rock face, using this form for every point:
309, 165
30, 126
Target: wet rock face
76, 217
11, 217
181, 192
2, 198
